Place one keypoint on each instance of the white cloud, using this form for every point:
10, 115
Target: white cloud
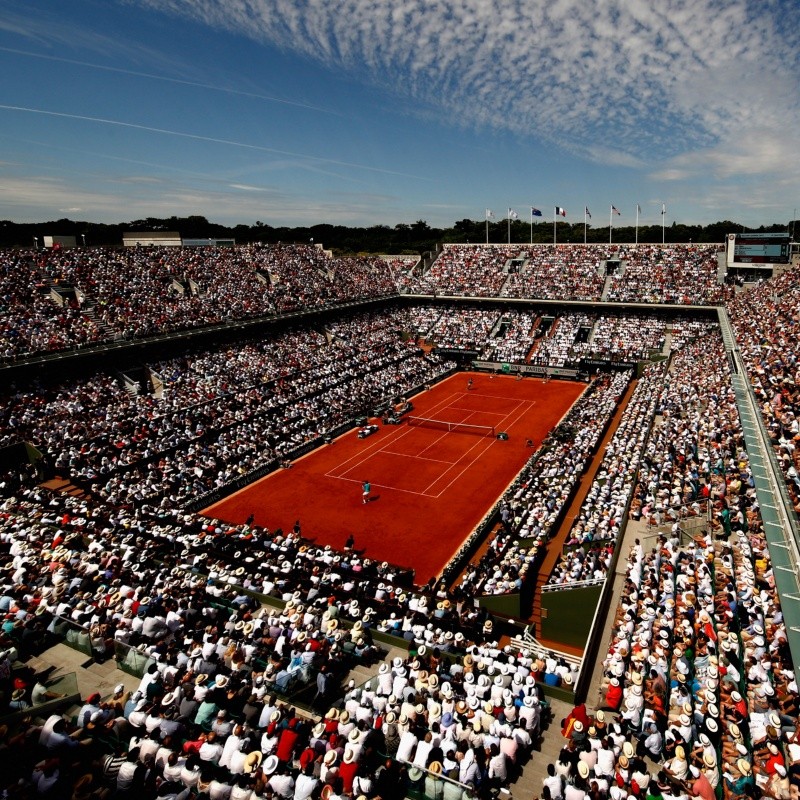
741, 153
38, 197
621, 80
244, 188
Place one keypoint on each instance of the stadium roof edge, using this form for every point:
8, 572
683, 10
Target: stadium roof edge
781, 528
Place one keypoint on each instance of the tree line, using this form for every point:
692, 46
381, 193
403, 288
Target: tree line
403, 238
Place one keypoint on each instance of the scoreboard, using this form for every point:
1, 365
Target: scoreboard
759, 248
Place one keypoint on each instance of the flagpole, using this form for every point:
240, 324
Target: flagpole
531, 224
610, 220
637, 224
584, 222
663, 216
487, 227
554, 225
509, 226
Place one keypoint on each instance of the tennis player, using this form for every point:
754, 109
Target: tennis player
366, 488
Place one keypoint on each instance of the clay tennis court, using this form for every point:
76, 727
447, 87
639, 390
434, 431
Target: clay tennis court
430, 486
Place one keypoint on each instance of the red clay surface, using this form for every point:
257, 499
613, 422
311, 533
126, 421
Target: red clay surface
430, 487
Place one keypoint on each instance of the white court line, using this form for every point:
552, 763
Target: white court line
500, 397
391, 488
436, 441
474, 460
378, 446
480, 411
519, 403
422, 458
472, 463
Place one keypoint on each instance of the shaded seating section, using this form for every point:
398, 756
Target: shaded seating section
221, 413
31, 322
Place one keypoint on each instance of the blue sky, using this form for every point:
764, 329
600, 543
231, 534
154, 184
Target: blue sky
363, 112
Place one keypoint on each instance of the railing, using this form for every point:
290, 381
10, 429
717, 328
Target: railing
559, 587
430, 785
532, 645
128, 659
65, 687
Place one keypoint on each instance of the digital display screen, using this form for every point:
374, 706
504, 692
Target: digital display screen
765, 248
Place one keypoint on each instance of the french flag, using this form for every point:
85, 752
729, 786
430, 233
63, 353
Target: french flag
561, 212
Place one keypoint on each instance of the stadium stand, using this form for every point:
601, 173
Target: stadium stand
242, 639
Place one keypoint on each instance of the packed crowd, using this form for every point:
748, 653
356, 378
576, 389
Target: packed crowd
532, 507
622, 338
30, 320
681, 274
581, 565
511, 336
678, 274
422, 319
516, 340
766, 322
690, 457
213, 707
140, 292
560, 271
554, 348
221, 413
698, 677
471, 270
683, 465
699, 672
460, 328
698, 668
592, 537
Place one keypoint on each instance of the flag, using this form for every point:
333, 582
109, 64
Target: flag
561, 212
616, 210
535, 212
512, 214
489, 213
663, 208
638, 209
588, 213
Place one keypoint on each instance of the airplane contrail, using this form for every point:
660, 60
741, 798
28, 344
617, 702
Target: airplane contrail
212, 139
180, 81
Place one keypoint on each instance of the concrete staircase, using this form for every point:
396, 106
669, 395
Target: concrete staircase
63, 486
88, 310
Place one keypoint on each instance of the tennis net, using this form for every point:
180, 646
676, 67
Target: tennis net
451, 427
